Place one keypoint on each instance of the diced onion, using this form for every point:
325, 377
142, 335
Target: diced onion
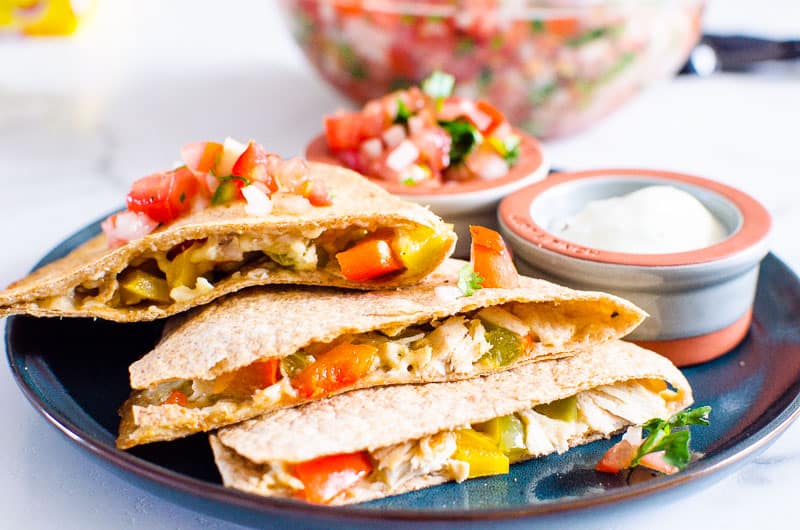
290, 203
257, 201
231, 151
127, 226
402, 155
416, 124
487, 165
447, 293
394, 135
372, 148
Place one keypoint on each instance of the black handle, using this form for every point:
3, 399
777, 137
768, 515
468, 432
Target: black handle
736, 53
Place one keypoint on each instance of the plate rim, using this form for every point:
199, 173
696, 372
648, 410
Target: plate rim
737, 452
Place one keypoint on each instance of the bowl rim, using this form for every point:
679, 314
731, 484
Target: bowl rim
514, 213
531, 161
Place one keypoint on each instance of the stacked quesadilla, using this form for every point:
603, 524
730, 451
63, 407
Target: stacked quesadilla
329, 335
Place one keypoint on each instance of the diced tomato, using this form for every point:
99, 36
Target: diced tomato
254, 165
317, 193
369, 259
617, 458
346, 130
163, 196
563, 27
343, 130
335, 369
455, 107
434, 144
497, 117
354, 159
656, 462
201, 157
325, 477
176, 397
492, 259
402, 62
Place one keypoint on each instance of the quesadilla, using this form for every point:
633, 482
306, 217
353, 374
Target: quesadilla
222, 248
260, 350
378, 442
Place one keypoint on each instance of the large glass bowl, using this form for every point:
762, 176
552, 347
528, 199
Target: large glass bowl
553, 67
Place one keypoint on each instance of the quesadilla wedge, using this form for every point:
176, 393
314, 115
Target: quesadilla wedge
360, 237
260, 350
385, 441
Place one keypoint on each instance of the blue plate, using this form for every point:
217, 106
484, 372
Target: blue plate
75, 372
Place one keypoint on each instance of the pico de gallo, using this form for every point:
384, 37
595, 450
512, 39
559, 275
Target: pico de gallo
552, 67
213, 174
664, 449
424, 136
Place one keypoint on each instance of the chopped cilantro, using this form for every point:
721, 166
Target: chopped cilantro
537, 26
589, 36
469, 281
465, 137
594, 34
497, 42
352, 62
439, 85
183, 197
403, 113
484, 78
543, 93
464, 46
409, 181
674, 443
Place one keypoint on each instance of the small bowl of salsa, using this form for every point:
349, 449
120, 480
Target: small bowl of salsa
453, 154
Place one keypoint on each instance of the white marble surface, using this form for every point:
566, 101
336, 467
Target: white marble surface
79, 120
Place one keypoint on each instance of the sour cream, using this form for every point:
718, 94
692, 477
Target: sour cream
651, 220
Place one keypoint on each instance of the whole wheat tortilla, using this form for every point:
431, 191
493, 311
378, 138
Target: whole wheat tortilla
373, 418
357, 203
266, 323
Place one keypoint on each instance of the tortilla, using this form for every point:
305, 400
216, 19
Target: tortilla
256, 325
84, 283
613, 376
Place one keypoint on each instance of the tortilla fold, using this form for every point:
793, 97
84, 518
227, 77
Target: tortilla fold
261, 324
378, 418
84, 283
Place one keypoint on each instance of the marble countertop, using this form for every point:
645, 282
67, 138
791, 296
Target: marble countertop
81, 119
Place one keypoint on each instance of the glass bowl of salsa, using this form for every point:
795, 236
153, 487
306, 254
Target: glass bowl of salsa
553, 67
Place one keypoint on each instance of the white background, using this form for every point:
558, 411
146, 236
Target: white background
80, 119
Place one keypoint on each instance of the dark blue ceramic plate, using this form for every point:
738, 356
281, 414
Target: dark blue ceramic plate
75, 372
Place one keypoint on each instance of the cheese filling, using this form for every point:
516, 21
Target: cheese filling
462, 344
601, 412
191, 269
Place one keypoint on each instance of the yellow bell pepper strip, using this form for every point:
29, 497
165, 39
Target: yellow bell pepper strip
481, 453
325, 477
136, 285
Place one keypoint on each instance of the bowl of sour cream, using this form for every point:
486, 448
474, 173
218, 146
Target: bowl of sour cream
684, 248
